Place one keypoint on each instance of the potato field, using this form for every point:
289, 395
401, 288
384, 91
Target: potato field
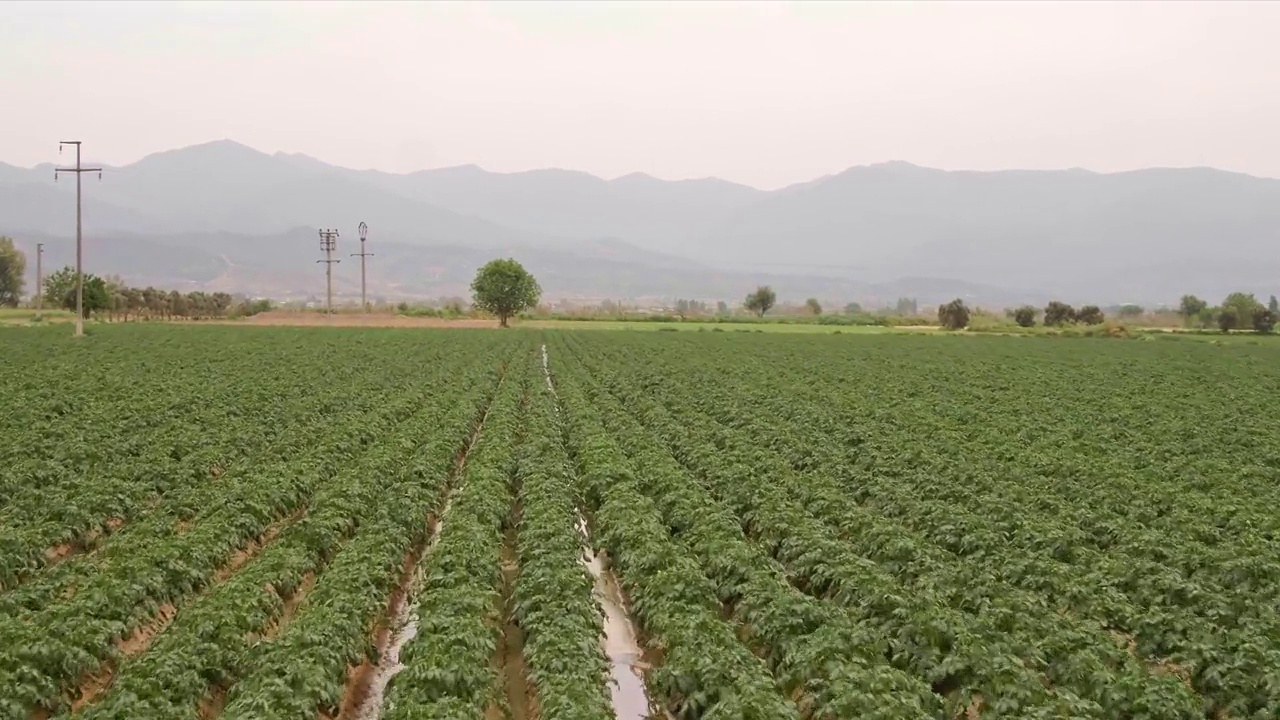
247, 523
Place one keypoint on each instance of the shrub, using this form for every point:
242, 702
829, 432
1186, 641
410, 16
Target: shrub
954, 315
1025, 316
1090, 315
1059, 313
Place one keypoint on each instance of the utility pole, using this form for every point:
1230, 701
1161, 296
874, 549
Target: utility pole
78, 170
364, 233
39, 280
328, 243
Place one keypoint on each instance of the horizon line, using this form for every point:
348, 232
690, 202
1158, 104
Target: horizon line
642, 174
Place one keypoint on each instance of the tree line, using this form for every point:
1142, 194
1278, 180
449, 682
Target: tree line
1239, 311
111, 299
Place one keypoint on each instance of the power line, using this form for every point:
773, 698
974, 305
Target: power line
364, 233
78, 170
328, 243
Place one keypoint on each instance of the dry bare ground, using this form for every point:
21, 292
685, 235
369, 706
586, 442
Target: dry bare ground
278, 318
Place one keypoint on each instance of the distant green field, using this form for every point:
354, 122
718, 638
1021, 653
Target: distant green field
762, 327
21, 316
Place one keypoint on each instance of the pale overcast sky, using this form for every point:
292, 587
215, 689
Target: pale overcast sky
758, 92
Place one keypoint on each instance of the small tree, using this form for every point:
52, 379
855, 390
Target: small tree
1090, 315
1242, 306
1227, 319
954, 315
1059, 313
761, 301
504, 288
1025, 316
813, 306
853, 308
722, 308
1130, 311
1274, 306
58, 285
96, 295
1191, 308
906, 307
13, 269
1264, 321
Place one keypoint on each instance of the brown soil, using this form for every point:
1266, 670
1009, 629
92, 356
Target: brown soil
59, 552
291, 602
250, 549
974, 711
521, 698
142, 635
136, 644
89, 543
360, 676
313, 319
140, 639
213, 703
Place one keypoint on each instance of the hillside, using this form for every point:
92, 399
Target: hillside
1145, 236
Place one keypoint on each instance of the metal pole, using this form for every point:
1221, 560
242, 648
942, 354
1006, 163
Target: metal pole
79, 252
78, 170
328, 243
39, 279
364, 234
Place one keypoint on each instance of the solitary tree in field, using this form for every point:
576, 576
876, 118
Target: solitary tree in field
504, 288
761, 301
13, 268
1025, 316
954, 315
813, 306
1059, 313
1090, 315
852, 308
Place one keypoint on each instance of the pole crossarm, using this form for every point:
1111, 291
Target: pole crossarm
328, 243
78, 170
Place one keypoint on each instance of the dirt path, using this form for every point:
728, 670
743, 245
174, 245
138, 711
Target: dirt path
285, 318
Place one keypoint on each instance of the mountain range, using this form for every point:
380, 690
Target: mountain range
225, 216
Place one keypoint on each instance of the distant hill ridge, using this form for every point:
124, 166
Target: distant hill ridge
1144, 235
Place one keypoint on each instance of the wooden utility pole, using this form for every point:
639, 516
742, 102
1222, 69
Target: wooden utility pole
39, 280
364, 234
328, 243
78, 170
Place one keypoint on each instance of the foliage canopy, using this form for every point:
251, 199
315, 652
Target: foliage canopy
504, 288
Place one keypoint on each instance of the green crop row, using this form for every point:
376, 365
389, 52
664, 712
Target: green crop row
827, 658
701, 668
293, 675
448, 673
553, 601
209, 644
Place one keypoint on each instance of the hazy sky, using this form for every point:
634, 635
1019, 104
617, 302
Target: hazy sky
757, 92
